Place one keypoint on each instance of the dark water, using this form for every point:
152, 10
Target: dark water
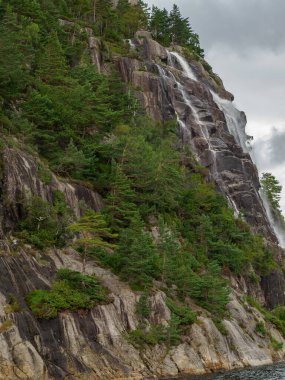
275, 372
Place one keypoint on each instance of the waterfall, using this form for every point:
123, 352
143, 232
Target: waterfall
132, 45
236, 126
188, 72
236, 123
184, 65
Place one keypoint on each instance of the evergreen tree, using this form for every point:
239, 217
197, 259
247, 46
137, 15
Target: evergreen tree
136, 257
160, 25
180, 29
120, 208
52, 66
272, 189
94, 232
209, 288
73, 161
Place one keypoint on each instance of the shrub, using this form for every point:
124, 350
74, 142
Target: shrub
260, 328
44, 224
185, 315
72, 291
143, 306
6, 325
156, 334
13, 306
276, 345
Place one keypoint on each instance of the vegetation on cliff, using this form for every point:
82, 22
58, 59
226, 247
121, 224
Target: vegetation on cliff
89, 127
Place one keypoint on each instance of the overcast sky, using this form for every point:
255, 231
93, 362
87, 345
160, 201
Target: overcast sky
244, 41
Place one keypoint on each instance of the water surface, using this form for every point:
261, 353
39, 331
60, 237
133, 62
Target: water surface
275, 372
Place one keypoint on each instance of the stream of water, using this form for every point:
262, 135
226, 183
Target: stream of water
274, 372
236, 126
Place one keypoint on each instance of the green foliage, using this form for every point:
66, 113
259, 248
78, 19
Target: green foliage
73, 162
220, 326
52, 66
272, 189
172, 225
44, 174
93, 233
276, 345
143, 306
173, 28
6, 325
182, 312
13, 305
72, 291
135, 258
44, 224
260, 328
279, 312
209, 288
268, 315
156, 334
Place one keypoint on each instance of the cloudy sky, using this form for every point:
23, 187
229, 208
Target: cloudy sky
244, 41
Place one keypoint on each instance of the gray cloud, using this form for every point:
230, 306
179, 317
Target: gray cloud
242, 24
269, 149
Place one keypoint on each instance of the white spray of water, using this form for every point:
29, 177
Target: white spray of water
132, 45
185, 66
235, 121
188, 72
236, 126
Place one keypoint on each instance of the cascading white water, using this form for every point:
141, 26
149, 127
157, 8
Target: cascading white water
236, 126
132, 45
184, 65
234, 121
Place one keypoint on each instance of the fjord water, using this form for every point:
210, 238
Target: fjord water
274, 372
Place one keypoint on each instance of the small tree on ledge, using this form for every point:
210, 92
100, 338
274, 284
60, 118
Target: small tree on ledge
94, 232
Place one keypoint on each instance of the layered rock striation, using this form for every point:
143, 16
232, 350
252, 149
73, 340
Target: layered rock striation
95, 344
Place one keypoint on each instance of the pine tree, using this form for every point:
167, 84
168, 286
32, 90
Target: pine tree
120, 208
160, 25
180, 29
94, 232
272, 189
209, 288
137, 259
73, 161
52, 66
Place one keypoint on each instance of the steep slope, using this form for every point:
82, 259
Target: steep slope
94, 345
172, 314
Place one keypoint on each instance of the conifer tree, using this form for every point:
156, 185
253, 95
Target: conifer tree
137, 259
160, 25
209, 288
272, 189
93, 232
52, 65
180, 29
73, 160
120, 208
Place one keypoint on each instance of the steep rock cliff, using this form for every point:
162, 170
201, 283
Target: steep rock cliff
95, 344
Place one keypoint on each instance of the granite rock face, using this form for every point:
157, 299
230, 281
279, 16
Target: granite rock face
166, 93
93, 345
22, 177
